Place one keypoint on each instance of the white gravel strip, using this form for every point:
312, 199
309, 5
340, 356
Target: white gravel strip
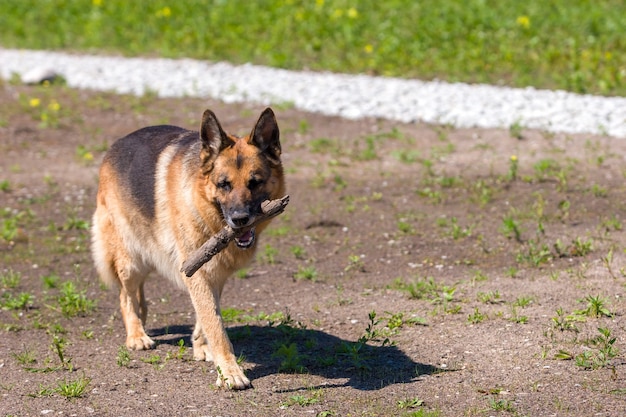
349, 96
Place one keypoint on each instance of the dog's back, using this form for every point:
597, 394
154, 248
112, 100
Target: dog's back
126, 214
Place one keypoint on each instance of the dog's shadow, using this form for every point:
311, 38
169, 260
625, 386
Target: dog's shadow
366, 364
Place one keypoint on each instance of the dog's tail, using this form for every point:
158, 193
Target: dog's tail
102, 256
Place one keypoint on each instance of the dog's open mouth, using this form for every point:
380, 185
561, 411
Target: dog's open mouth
245, 240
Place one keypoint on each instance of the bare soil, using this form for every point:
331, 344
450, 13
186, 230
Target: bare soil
390, 286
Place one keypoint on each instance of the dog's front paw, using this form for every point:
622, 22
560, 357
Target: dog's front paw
140, 343
232, 378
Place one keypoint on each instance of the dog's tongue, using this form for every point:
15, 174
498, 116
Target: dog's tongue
246, 239
246, 236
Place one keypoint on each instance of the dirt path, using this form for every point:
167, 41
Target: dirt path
418, 271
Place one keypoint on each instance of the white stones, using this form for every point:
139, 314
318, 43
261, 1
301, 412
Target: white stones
350, 96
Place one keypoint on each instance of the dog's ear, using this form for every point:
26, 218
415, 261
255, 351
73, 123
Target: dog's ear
213, 138
266, 136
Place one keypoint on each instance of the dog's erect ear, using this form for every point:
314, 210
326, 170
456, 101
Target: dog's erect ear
266, 136
214, 140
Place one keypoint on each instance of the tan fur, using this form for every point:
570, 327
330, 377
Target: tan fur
197, 185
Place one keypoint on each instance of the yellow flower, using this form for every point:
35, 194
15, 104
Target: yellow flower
368, 49
54, 105
523, 21
34, 102
513, 158
96, 2
353, 13
337, 13
319, 3
88, 156
164, 12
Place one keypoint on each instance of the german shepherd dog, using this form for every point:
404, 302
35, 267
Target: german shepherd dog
163, 191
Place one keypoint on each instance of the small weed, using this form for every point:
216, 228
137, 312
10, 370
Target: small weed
581, 247
58, 347
84, 155
545, 168
410, 403
404, 227
563, 322
72, 389
182, 350
302, 401
501, 405
25, 357
9, 224
512, 271
369, 153
491, 297
434, 196
308, 273
596, 307
608, 262
5, 186
22, 301
355, 263
72, 302
298, 252
10, 279
513, 168
535, 254
523, 301
516, 318
123, 356
154, 360
406, 156
511, 228
611, 224
50, 281
479, 276
598, 191
242, 273
457, 231
602, 351
476, 317
269, 254
324, 146
483, 193
73, 222
291, 360
231, 315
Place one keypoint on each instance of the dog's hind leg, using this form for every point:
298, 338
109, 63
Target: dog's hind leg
134, 309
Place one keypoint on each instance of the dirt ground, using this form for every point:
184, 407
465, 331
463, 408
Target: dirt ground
418, 271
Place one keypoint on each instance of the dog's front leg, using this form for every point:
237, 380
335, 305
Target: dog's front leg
210, 328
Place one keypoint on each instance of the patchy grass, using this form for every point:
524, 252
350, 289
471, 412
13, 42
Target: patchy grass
390, 273
573, 46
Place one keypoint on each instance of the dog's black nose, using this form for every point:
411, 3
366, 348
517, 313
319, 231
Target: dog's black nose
240, 218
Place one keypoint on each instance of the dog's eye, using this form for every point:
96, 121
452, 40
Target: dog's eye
224, 185
254, 182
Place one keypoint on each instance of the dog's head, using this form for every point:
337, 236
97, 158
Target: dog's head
241, 173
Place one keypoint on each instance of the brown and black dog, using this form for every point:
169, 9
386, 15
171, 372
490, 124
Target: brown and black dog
164, 191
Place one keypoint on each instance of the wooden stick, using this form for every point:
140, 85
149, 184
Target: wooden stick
217, 242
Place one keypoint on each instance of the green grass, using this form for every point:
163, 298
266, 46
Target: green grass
578, 46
